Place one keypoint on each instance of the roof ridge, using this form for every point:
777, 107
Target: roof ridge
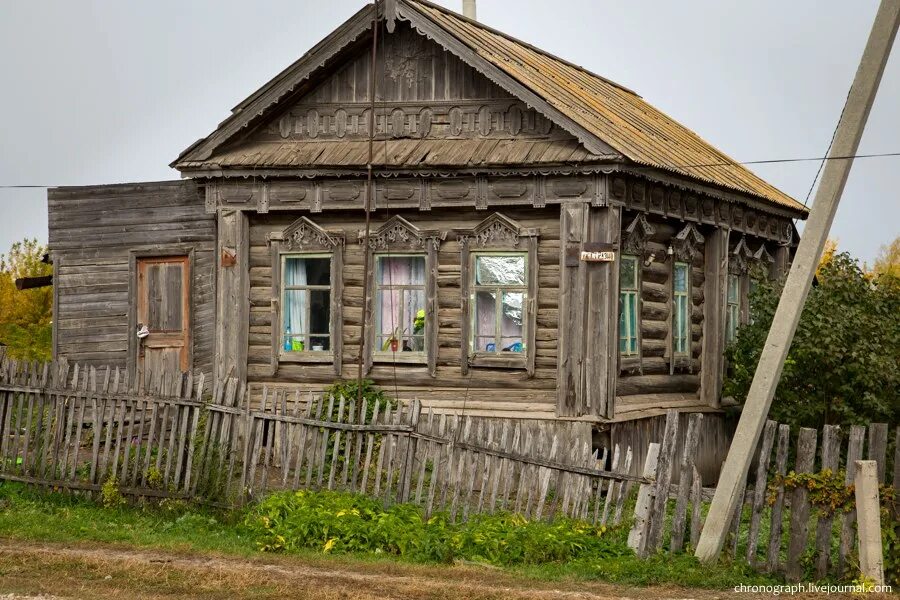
521, 42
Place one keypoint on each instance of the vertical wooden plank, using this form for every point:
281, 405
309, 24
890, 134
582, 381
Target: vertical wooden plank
799, 536
763, 460
360, 440
600, 316
897, 467
370, 442
622, 488
637, 537
113, 405
382, 449
151, 436
663, 480
691, 440
191, 436
337, 444
460, 462
29, 414
877, 450
438, 477
773, 552
426, 452
348, 446
573, 222
258, 424
848, 519
610, 490
736, 522
301, 444
324, 449
511, 466
831, 456
74, 401
410, 446
868, 507
715, 282
696, 506
183, 431
502, 466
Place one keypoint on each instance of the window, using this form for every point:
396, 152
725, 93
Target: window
400, 304
306, 298
681, 313
628, 306
732, 307
500, 292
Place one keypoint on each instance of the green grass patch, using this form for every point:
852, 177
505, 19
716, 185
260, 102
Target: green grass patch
344, 527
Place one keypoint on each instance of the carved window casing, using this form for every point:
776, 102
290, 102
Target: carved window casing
307, 264
403, 279
629, 308
499, 278
746, 266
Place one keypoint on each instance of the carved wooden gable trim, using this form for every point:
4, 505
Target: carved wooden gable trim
497, 231
637, 234
398, 233
741, 258
686, 243
303, 234
762, 255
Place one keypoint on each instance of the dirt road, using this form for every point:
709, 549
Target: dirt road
58, 571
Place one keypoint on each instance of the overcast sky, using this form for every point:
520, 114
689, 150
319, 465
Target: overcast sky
105, 91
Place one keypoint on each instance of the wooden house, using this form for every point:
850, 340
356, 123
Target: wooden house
543, 243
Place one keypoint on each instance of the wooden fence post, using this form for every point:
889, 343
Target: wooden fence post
637, 538
868, 521
799, 537
663, 480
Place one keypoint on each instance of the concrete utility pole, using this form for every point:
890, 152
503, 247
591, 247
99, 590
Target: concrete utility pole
796, 288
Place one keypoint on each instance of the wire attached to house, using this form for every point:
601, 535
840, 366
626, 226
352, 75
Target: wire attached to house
368, 209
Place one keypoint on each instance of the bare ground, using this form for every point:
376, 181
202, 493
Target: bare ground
57, 571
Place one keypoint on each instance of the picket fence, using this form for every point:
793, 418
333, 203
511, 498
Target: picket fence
793, 530
168, 436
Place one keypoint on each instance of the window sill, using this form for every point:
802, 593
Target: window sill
409, 358
306, 357
496, 360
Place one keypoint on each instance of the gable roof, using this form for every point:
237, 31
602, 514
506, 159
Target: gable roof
601, 114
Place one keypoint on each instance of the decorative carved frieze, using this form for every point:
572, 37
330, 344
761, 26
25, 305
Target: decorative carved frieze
486, 119
741, 258
686, 243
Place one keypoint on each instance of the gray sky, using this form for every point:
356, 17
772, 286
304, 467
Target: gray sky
104, 91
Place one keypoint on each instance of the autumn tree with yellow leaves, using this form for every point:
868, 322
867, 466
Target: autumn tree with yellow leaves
25, 315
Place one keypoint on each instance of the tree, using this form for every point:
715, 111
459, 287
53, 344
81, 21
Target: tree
844, 363
888, 259
25, 315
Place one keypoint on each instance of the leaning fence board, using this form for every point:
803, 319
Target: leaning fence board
773, 552
799, 532
691, 440
637, 537
878, 433
764, 458
831, 453
663, 479
848, 520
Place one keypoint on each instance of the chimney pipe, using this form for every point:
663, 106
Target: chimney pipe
469, 9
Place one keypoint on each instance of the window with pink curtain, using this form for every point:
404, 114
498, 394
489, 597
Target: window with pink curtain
399, 303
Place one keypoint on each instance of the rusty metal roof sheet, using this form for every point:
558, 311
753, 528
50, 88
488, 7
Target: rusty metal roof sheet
614, 114
399, 153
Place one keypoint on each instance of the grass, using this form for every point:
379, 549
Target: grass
32, 516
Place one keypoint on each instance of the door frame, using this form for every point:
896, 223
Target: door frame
156, 252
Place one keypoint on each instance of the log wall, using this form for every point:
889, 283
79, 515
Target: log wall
501, 392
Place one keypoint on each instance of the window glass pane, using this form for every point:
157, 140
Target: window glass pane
628, 273
295, 320
299, 271
500, 270
733, 288
400, 316
485, 321
400, 270
681, 277
511, 322
628, 323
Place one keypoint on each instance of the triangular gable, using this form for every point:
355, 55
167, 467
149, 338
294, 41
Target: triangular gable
608, 120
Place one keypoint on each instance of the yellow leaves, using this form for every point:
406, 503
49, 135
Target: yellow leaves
328, 545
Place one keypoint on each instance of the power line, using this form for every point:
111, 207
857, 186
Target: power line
671, 166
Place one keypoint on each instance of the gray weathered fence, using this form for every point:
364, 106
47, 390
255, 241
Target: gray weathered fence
776, 539
79, 428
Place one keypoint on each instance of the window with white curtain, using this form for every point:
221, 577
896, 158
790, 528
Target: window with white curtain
400, 303
306, 302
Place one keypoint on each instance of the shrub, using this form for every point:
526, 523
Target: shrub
336, 522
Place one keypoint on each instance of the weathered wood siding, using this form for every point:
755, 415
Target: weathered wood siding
484, 390
93, 231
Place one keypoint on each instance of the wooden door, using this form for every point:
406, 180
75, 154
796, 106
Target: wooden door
163, 306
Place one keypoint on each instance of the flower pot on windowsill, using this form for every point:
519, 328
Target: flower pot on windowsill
395, 344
